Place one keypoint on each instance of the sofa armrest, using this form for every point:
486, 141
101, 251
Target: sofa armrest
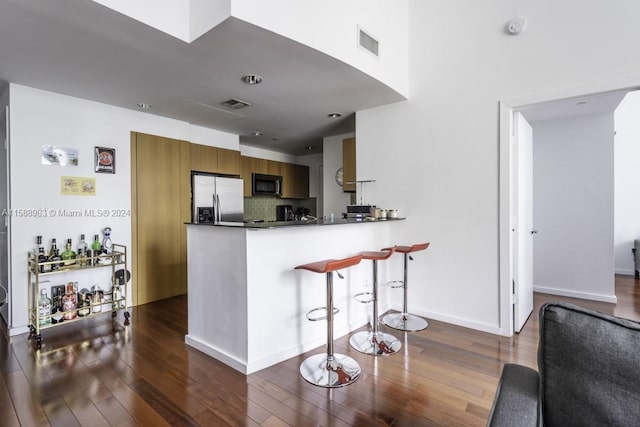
516, 401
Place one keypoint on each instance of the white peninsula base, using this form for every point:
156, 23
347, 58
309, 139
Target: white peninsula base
247, 305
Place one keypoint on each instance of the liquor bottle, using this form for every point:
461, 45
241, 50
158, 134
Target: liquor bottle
82, 251
97, 298
44, 308
57, 292
68, 256
84, 302
52, 251
69, 303
55, 265
106, 242
96, 249
40, 255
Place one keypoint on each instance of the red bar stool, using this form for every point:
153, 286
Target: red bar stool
405, 321
329, 370
375, 343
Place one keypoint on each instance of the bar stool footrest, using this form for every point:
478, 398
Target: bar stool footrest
324, 309
360, 297
395, 284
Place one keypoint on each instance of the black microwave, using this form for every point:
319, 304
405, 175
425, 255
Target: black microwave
266, 185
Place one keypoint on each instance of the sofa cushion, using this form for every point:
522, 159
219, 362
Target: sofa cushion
516, 401
589, 366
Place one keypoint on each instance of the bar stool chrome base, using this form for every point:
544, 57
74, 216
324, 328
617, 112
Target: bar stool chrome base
405, 322
340, 371
375, 344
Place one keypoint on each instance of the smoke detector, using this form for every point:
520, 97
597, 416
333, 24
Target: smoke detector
516, 26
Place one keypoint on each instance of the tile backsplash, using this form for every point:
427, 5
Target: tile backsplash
264, 207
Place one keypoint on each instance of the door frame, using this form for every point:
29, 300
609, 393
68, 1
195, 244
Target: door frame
506, 192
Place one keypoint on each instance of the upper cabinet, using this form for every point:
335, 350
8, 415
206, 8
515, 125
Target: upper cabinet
349, 165
215, 160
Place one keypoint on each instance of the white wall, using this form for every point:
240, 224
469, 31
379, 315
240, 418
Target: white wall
573, 190
331, 27
333, 198
183, 19
627, 179
436, 156
4, 205
38, 118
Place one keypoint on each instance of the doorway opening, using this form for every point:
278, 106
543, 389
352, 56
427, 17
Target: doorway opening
513, 270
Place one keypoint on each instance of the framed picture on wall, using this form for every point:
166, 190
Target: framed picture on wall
105, 160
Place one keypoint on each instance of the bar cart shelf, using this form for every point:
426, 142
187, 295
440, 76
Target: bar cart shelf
118, 300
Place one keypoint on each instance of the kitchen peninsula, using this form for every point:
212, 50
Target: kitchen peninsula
247, 304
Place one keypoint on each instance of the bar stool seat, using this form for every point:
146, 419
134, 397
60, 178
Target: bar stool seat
329, 369
375, 343
405, 321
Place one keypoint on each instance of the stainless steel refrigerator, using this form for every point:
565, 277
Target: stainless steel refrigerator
216, 199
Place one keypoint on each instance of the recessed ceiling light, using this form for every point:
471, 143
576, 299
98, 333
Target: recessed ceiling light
309, 147
144, 105
256, 133
252, 79
334, 115
275, 139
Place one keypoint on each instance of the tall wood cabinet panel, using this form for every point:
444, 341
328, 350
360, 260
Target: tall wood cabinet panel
349, 165
160, 170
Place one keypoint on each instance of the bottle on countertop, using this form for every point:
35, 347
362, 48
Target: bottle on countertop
44, 309
82, 251
68, 256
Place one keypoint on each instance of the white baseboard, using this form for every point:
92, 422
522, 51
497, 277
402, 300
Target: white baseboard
249, 367
483, 327
625, 272
575, 294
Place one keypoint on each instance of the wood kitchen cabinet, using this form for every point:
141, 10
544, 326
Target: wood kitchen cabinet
349, 165
295, 181
160, 200
205, 158
228, 162
295, 178
246, 171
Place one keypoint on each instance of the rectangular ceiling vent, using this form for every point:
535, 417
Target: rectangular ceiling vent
367, 41
235, 104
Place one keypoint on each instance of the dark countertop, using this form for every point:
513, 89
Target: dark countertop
280, 224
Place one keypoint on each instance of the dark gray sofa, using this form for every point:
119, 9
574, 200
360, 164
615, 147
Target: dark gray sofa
589, 373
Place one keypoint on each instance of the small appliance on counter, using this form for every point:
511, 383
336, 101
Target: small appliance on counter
284, 213
359, 211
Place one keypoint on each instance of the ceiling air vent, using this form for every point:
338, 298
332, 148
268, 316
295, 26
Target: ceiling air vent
367, 41
235, 104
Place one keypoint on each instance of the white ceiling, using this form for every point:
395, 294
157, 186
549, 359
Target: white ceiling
82, 49
566, 108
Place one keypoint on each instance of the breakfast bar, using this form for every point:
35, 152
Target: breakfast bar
247, 305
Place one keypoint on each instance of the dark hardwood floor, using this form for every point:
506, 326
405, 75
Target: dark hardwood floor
101, 373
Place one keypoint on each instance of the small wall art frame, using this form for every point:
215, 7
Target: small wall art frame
105, 160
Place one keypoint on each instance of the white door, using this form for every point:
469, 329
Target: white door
523, 221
